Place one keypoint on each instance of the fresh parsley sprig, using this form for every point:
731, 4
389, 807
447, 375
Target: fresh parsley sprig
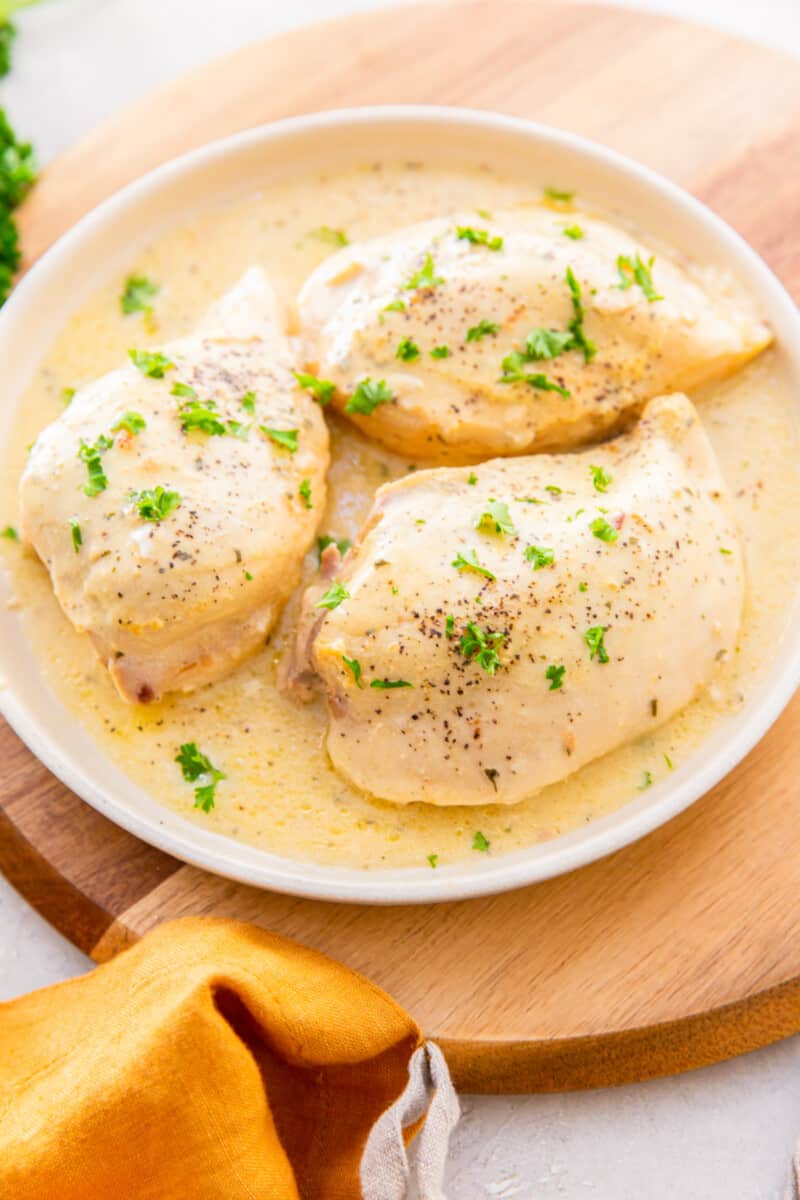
479, 237
480, 645
494, 517
335, 595
137, 295
91, 455
321, 389
636, 271
484, 328
154, 504
368, 395
579, 339
595, 640
470, 562
285, 438
196, 766
151, 363
425, 277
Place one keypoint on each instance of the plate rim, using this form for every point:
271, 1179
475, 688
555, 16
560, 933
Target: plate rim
225, 856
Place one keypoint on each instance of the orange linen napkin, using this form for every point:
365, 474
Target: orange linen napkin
212, 1060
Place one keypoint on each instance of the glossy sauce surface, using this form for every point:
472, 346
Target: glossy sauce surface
281, 792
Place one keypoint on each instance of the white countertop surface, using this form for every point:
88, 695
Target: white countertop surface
725, 1133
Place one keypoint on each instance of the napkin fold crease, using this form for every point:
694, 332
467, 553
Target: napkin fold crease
214, 1060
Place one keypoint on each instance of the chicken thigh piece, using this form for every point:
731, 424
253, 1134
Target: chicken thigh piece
463, 338
492, 630
174, 499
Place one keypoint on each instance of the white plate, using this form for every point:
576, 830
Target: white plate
105, 241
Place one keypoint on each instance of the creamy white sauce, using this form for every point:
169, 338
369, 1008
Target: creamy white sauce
281, 792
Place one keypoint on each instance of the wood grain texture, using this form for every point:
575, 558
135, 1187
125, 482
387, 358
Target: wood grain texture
677, 951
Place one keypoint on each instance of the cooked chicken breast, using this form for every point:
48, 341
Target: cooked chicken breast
173, 501
463, 338
494, 629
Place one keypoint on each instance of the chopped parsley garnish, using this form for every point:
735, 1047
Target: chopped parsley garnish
583, 587
479, 237
602, 530
725, 550
433, 859
555, 674
185, 390
334, 596
540, 556
154, 504
77, 535
479, 842
333, 237
639, 273
440, 352
425, 277
514, 372
285, 438
472, 479
469, 562
579, 338
449, 626
327, 539
201, 416
553, 490
131, 422
248, 402
574, 231
151, 363
389, 684
91, 455
407, 350
594, 638
321, 389
367, 396
647, 781
248, 576
494, 518
600, 478
354, 667
395, 306
478, 645
67, 394
669, 762
10, 534
558, 195
196, 766
138, 294
546, 343
483, 329
237, 429
305, 492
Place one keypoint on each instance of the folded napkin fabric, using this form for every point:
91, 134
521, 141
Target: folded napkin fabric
211, 1060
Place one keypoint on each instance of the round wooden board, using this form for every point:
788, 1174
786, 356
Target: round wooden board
678, 951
